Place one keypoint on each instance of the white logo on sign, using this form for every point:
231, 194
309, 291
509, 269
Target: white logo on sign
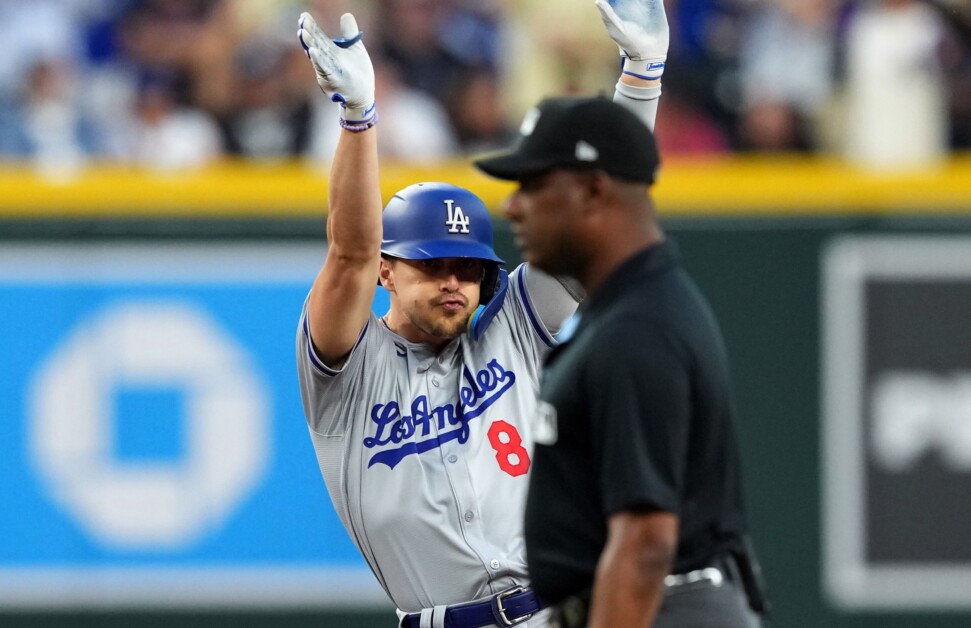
149, 504
917, 412
457, 221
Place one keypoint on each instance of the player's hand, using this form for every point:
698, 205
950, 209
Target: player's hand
343, 67
640, 30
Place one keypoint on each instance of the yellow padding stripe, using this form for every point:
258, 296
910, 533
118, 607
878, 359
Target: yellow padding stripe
733, 186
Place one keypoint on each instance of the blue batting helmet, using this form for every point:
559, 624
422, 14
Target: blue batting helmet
434, 220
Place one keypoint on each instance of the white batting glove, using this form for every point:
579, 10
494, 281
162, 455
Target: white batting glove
344, 70
640, 30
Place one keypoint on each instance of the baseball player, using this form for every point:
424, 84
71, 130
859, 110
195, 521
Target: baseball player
420, 417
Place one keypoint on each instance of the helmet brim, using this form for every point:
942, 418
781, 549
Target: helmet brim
438, 249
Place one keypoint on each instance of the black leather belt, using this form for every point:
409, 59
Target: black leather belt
508, 608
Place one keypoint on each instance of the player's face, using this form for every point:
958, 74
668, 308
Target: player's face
545, 212
435, 297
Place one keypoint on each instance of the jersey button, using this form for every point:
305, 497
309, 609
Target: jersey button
435, 382
494, 564
468, 515
453, 458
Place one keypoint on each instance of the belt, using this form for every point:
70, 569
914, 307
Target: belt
572, 611
714, 575
508, 608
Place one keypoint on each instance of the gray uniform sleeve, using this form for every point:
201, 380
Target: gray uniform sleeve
642, 101
552, 299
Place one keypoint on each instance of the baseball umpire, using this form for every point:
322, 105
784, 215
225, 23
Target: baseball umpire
419, 417
634, 511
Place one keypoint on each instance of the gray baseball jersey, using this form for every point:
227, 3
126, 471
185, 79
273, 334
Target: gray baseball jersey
425, 455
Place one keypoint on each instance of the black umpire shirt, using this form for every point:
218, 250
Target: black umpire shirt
643, 421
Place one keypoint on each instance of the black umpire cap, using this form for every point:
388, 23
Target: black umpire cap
579, 133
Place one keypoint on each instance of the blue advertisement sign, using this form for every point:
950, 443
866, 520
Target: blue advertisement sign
155, 451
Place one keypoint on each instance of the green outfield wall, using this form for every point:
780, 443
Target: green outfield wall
845, 300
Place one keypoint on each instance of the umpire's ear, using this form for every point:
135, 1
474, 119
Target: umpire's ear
619, 192
599, 187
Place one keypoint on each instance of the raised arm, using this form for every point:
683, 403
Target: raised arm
341, 297
640, 30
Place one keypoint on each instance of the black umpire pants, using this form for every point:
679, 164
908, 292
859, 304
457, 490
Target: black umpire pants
699, 604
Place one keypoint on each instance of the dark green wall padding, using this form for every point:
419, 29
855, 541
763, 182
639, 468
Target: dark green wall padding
762, 276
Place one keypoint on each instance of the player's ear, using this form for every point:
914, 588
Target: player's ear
386, 274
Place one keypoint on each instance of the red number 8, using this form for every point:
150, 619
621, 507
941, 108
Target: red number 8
512, 447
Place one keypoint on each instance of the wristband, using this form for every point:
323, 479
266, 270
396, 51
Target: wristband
357, 120
357, 127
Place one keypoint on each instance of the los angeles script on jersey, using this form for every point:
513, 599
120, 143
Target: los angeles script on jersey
479, 392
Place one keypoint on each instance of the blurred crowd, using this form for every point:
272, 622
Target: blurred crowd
177, 84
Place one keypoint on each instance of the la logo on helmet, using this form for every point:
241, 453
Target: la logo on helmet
457, 221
